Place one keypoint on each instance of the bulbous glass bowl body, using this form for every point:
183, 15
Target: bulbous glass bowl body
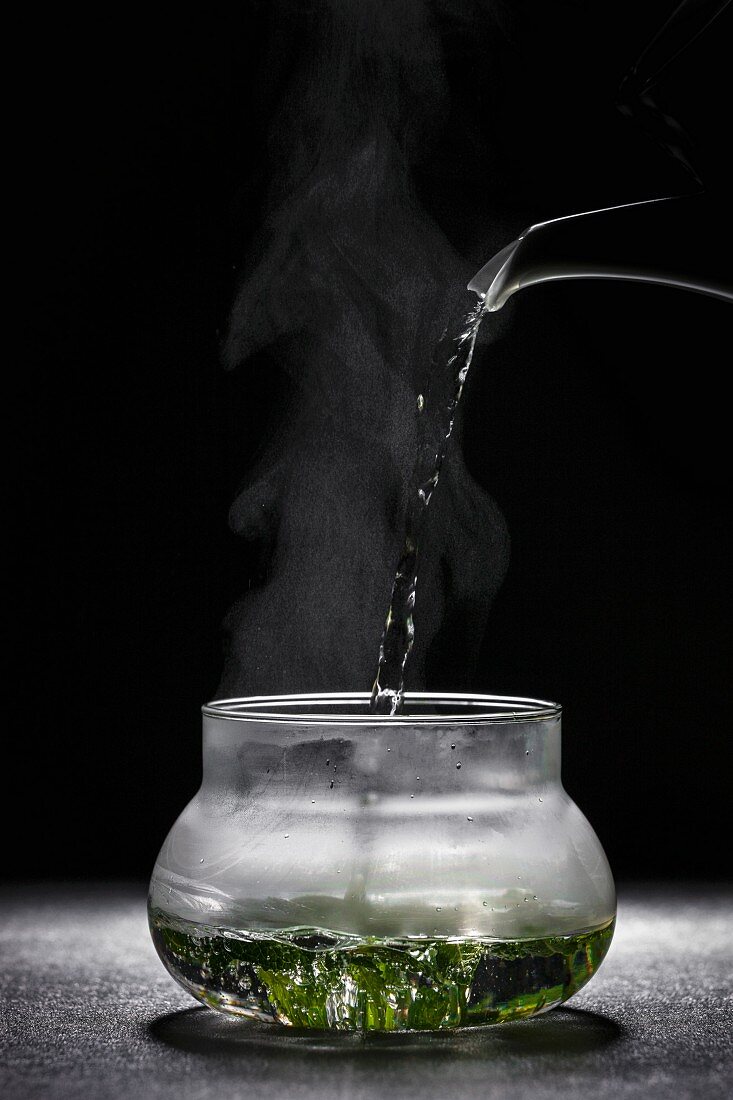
339, 869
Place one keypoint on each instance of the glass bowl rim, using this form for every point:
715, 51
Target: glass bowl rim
478, 709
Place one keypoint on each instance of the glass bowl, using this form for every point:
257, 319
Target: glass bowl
344, 870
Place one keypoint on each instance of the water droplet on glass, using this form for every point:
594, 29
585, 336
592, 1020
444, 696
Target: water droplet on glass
417, 777
458, 764
287, 835
201, 861
453, 746
485, 903
438, 908
534, 897
420, 402
331, 784
539, 800
469, 819
313, 801
526, 752
328, 762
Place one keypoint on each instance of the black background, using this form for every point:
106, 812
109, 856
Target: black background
598, 424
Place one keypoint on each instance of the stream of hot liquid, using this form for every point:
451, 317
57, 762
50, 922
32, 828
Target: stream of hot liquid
436, 411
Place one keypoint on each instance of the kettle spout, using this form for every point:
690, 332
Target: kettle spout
671, 241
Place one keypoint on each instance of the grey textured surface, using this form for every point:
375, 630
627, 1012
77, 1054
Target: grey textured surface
88, 1011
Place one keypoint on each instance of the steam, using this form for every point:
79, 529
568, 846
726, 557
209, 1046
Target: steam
349, 287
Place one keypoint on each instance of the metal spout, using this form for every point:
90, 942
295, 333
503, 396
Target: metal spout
672, 241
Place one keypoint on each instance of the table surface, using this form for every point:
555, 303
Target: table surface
88, 1011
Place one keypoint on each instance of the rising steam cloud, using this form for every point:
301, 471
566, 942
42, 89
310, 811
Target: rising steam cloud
349, 287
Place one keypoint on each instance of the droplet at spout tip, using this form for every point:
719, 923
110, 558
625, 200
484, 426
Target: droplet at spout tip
490, 305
